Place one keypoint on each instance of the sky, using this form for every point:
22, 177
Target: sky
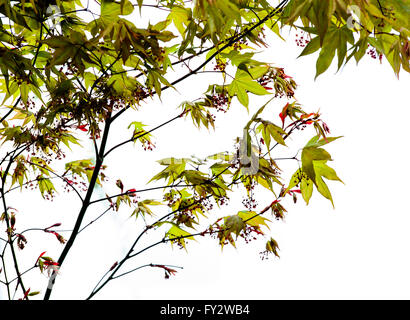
358, 250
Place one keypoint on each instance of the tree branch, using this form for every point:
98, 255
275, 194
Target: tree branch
9, 227
230, 41
92, 221
117, 266
5, 276
86, 202
143, 134
143, 190
58, 176
146, 265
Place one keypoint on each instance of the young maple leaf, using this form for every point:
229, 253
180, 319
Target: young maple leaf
83, 127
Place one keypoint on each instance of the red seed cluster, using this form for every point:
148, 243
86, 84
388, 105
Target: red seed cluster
302, 39
222, 201
147, 145
238, 44
264, 255
372, 52
249, 233
249, 203
220, 65
261, 34
141, 93
271, 81
220, 101
75, 183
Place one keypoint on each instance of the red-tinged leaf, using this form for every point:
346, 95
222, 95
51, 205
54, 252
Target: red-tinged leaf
26, 293
282, 117
218, 220
305, 116
284, 114
295, 199
295, 190
54, 225
119, 184
171, 271
131, 192
114, 265
325, 127
168, 271
42, 254
60, 238
50, 263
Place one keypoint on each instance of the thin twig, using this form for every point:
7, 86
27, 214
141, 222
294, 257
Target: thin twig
135, 137
92, 221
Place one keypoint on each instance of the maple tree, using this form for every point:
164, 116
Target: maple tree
72, 68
